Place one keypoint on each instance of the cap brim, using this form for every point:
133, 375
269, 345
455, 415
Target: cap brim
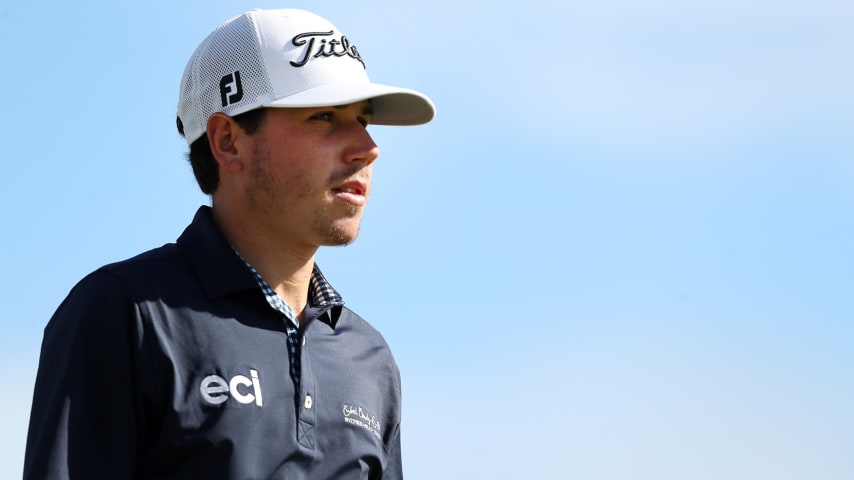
392, 105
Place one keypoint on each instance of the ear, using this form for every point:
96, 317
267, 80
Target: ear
225, 138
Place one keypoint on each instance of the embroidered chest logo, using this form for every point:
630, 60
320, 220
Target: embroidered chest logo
361, 418
216, 390
318, 44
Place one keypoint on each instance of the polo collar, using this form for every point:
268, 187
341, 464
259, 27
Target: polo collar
216, 266
220, 270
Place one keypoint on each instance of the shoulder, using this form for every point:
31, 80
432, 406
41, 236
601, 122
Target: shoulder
146, 267
116, 288
348, 320
363, 335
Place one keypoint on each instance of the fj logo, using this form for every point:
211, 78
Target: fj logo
231, 89
215, 389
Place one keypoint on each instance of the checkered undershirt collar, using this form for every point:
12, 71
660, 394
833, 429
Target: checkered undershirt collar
320, 293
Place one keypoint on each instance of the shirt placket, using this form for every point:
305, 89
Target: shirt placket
293, 355
322, 294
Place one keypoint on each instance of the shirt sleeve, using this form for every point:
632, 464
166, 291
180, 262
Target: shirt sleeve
83, 421
394, 465
394, 468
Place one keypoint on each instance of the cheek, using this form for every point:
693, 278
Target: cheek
300, 182
301, 170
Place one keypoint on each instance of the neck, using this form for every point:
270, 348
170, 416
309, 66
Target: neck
285, 268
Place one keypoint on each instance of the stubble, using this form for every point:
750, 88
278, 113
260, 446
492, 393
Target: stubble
271, 199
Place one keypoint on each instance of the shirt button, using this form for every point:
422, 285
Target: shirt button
308, 402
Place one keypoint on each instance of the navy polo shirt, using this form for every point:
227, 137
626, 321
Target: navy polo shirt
171, 365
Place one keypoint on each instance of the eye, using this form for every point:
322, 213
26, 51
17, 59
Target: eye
363, 121
323, 116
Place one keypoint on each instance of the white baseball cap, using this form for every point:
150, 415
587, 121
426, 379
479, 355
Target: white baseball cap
285, 58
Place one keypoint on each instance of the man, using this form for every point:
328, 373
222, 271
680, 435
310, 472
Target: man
227, 354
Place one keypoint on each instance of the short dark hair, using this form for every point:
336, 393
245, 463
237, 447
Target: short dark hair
202, 160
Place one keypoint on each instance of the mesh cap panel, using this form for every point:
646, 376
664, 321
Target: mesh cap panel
230, 56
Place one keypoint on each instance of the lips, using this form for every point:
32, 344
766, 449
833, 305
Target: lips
354, 192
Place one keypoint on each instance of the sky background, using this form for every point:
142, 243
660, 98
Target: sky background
624, 249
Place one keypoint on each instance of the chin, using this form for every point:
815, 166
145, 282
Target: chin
342, 230
339, 241
338, 236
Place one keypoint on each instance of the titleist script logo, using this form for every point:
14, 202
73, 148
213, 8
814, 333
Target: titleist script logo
231, 89
318, 44
215, 389
359, 417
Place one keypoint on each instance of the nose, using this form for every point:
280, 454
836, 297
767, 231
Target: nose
362, 149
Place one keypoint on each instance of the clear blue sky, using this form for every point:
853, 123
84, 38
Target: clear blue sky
623, 250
